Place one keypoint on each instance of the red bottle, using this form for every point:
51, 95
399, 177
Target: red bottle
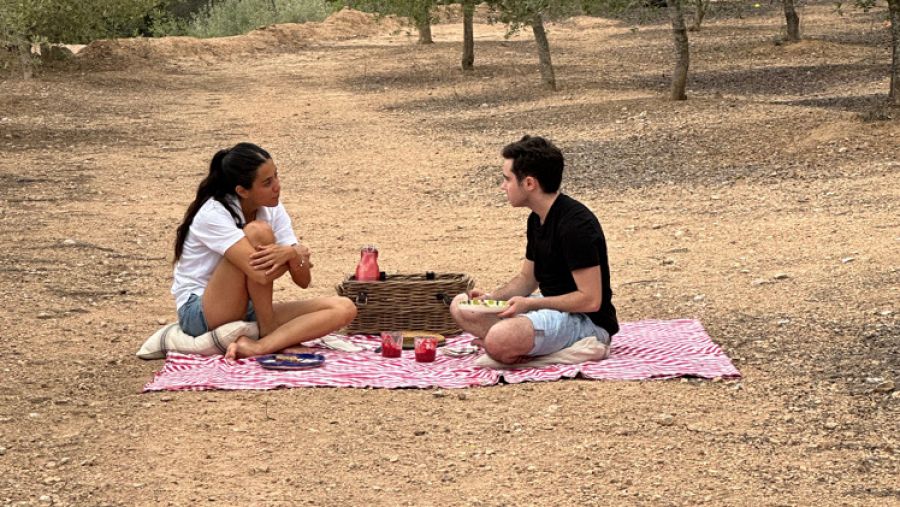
367, 269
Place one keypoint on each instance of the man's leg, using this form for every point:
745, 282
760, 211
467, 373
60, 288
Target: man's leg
510, 340
477, 324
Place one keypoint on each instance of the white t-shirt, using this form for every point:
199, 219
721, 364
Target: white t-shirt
212, 232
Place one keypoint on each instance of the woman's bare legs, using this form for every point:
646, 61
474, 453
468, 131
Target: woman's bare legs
281, 325
300, 321
229, 289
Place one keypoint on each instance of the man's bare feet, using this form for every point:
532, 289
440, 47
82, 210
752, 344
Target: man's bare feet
241, 348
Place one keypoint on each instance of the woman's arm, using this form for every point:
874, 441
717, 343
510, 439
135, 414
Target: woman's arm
300, 267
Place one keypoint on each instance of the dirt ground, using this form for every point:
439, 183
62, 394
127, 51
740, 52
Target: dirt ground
766, 206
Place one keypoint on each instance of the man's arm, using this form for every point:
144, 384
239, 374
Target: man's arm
523, 284
587, 297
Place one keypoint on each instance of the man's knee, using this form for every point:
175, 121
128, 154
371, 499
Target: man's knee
508, 342
455, 312
259, 233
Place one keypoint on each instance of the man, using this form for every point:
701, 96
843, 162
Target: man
565, 257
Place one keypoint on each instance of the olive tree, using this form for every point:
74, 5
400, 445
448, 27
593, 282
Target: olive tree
894, 13
520, 13
26, 22
418, 11
682, 50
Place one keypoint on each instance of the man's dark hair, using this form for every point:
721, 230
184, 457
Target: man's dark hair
539, 158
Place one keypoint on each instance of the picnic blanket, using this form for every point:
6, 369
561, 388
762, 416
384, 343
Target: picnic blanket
649, 349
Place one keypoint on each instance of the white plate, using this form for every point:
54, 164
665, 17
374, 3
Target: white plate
483, 306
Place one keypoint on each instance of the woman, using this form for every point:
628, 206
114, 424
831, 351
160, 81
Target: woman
234, 241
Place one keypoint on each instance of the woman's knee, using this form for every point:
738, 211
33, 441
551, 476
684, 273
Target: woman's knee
345, 308
259, 233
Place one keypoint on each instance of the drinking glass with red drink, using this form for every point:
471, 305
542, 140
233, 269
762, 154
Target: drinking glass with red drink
426, 348
391, 343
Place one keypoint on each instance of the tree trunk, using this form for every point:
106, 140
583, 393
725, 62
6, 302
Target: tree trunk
423, 23
543, 45
699, 14
793, 21
468, 55
25, 59
425, 32
682, 50
894, 6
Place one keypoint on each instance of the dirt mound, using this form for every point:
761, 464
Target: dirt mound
344, 24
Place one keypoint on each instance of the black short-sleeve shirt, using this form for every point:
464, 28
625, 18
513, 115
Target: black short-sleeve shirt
569, 239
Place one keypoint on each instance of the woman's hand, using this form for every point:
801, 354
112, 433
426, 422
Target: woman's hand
303, 255
269, 258
517, 305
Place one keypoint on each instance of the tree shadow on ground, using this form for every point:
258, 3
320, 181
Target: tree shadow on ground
770, 81
872, 107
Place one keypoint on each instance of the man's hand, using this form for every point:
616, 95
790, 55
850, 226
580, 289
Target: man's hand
517, 305
477, 294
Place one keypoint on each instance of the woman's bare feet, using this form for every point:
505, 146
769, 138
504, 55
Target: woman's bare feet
298, 350
241, 348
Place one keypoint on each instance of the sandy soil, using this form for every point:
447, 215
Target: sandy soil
766, 206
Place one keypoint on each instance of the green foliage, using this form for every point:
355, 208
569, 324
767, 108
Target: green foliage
70, 21
417, 10
234, 17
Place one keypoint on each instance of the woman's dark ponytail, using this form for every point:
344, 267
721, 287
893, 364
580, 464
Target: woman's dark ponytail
228, 169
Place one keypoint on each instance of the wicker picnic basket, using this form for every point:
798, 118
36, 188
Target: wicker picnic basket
403, 302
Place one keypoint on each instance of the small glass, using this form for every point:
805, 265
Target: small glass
391, 343
426, 348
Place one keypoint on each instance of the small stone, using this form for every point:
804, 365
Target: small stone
161, 321
44, 315
531, 468
885, 387
781, 276
759, 281
419, 433
394, 459
845, 260
699, 297
439, 393
69, 241
45, 499
2, 451
552, 409
665, 420
830, 425
165, 398
462, 396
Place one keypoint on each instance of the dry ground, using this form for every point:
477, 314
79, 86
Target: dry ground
766, 206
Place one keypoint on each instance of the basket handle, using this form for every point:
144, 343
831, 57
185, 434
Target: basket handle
362, 299
444, 298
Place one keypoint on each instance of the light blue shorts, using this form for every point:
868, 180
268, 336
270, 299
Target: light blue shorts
192, 320
555, 330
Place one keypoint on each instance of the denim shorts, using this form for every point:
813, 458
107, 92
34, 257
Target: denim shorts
555, 330
192, 320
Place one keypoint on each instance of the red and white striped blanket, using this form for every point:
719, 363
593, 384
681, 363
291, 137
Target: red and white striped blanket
650, 349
